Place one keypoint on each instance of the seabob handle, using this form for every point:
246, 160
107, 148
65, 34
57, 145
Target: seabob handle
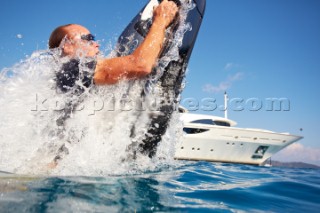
143, 26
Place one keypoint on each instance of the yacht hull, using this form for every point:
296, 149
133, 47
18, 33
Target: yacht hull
232, 145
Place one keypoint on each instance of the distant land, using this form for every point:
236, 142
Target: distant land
294, 165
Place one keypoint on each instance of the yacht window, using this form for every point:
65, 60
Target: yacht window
203, 121
194, 130
221, 123
211, 122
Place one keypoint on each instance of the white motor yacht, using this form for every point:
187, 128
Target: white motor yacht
212, 138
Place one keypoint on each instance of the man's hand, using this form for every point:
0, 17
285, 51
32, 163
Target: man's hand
165, 13
141, 62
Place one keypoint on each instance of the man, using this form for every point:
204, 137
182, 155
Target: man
75, 41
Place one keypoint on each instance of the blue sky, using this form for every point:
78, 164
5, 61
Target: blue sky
252, 48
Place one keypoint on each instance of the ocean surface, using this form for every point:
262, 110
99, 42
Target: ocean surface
186, 187
94, 176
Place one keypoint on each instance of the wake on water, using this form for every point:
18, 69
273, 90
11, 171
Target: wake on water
97, 134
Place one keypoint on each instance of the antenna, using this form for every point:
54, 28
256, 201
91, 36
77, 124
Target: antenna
225, 105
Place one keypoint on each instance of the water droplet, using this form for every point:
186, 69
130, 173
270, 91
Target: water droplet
19, 36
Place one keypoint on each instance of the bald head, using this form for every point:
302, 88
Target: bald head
79, 40
62, 31
57, 35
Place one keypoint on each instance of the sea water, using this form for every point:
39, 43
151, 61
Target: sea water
187, 187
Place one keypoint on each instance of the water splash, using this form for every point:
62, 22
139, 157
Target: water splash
174, 43
97, 133
19, 36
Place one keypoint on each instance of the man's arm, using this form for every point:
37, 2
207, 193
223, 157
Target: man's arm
143, 59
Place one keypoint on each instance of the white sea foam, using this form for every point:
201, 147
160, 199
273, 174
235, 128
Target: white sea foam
98, 133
